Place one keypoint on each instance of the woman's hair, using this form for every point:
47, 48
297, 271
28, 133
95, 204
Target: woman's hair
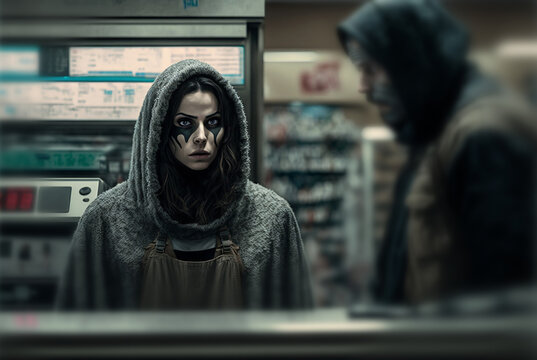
191, 196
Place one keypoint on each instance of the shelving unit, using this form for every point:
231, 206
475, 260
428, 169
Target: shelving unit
326, 155
339, 182
308, 153
381, 160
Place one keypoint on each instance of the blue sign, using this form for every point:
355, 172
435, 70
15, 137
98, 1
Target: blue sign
190, 3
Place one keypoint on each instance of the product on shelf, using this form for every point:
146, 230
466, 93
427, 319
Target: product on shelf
307, 158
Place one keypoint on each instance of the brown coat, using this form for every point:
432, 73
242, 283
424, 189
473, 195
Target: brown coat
436, 261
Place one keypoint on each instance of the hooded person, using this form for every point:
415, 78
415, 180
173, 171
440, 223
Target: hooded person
463, 204
188, 230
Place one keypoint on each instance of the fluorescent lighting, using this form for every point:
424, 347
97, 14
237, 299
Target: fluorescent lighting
520, 49
327, 327
290, 56
377, 133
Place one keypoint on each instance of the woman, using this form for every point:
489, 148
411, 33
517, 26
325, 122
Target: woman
188, 229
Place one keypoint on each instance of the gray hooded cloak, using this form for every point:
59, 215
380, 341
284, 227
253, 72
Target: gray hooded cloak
104, 267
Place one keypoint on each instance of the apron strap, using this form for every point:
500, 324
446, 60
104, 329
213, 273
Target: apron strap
225, 240
161, 243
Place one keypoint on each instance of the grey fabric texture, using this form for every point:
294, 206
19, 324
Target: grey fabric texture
104, 267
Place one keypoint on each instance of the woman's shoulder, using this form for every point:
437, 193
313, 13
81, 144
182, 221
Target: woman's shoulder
259, 195
108, 201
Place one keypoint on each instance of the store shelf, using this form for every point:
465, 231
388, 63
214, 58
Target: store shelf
309, 154
309, 141
383, 158
313, 203
321, 224
329, 276
313, 172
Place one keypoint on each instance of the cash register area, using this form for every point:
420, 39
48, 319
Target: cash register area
73, 76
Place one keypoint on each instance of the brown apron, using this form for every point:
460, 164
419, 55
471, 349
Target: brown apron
169, 283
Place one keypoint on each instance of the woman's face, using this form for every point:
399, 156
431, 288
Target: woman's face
198, 130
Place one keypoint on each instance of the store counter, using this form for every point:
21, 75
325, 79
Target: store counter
328, 334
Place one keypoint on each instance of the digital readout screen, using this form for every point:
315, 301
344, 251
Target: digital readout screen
17, 199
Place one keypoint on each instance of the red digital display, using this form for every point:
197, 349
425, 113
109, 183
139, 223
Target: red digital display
17, 199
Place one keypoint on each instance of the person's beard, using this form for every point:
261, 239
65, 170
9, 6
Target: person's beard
385, 95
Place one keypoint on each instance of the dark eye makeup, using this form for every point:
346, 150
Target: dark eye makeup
184, 122
213, 122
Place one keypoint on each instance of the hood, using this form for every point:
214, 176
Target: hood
143, 181
423, 49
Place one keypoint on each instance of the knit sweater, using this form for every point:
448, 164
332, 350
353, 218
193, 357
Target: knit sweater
104, 269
